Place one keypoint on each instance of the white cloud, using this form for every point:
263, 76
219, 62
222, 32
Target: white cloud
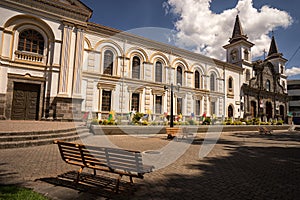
293, 71
201, 30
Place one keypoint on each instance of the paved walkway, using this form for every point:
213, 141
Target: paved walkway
240, 166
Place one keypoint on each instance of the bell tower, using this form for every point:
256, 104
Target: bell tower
238, 51
276, 58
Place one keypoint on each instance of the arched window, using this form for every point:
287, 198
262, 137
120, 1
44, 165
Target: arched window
108, 62
31, 41
158, 72
246, 54
230, 84
212, 82
136, 67
268, 85
247, 74
179, 75
234, 55
230, 111
283, 85
197, 79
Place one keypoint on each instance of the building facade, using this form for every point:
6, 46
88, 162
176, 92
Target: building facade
54, 62
293, 87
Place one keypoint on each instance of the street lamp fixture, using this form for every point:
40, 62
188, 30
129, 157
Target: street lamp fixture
172, 87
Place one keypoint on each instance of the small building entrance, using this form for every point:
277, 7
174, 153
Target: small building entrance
25, 105
269, 110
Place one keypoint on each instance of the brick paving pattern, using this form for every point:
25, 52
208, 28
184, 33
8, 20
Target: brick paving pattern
240, 166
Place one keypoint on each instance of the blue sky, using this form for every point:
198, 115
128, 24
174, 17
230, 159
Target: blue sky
178, 15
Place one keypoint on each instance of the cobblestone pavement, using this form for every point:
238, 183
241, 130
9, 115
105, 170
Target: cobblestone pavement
240, 166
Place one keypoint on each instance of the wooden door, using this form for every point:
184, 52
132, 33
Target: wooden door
269, 110
25, 104
230, 111
253, 109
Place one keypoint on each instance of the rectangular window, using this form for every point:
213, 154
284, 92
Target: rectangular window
158, 104
106, 100
213, 108
135, 102
179, 106
197, 107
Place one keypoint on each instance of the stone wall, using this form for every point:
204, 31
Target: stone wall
67, 109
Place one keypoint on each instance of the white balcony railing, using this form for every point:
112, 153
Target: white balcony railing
28, 56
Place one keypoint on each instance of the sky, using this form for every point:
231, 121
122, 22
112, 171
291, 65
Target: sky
204, 26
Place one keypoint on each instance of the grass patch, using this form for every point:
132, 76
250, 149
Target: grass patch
12, 192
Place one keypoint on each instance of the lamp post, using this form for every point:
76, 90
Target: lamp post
172, 104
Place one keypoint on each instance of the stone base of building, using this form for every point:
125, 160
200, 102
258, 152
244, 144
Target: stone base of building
64, 109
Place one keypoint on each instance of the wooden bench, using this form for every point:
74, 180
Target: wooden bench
264, 130
112, 160
177, 132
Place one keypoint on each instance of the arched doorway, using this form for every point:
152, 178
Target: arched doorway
230, 111
253, 109
269, 110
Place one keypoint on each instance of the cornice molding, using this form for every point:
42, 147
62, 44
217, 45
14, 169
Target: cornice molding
58, 9
97, 29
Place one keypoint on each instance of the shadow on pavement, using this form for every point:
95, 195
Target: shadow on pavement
5, 175
246, 173
281, 136
91, 186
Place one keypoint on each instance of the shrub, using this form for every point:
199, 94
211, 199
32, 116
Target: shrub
136, 117
95, 122
191, 122
207, 121
256, 121
145, 123
237, 123
154, 123
279, 122
111, 122
105, 122
183, 123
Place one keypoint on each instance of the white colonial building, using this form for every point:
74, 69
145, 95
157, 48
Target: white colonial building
54, 62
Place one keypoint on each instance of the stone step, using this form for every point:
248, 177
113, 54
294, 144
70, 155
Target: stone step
41, 136
29, 141
22, 133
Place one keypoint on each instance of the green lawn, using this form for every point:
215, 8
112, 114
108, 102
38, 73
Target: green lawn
10, 192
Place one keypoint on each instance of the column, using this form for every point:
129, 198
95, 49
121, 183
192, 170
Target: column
64, 70
78, 61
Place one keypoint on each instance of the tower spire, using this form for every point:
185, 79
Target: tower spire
273, 47
237, 30
238, 33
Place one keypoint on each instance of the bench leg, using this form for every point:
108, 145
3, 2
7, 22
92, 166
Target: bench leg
118, 183
78, 174
131, 180
95, 173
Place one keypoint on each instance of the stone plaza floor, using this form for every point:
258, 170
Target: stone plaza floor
241, 165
